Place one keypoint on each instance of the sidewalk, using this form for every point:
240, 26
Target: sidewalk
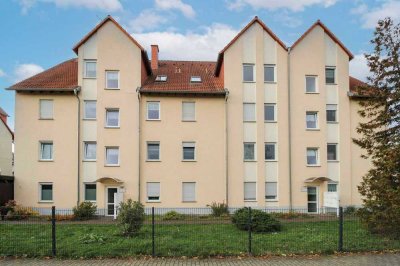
363, 259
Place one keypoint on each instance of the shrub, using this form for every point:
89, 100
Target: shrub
85, 211
291, 215
21, 213
350, 210
130, 217
219, 209
173, 215
260, 221
61, 217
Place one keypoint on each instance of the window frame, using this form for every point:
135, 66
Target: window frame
244, 191
41, 184
332, 183
274, 68
85, 144
40, 109
195, 190
194, 114
315, 113
336, 152
275, 114
147, 151
147, 111
275, 151
255, 112
106, 156
316, 84
85, 194
254, 72
85, 113
276, 187
106, 79
147, 192
334, 75
194, 151
106, 120
254, 151
161, 78
317, 159
85, 62
46, 142
336, 114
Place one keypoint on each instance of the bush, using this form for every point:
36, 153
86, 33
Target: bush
173, 215
61, 217
219, 209
130, 217
291, 215
350, 210
21, 213
85, 211
260, 221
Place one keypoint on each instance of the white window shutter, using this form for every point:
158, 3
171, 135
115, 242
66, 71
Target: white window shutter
271, 189
249, 111
250, 190
188, 111
331, 107
153, 189
46, 109
189, 191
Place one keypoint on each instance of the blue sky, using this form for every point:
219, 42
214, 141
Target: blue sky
38, 34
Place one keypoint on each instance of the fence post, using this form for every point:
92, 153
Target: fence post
340, 244
153, 250
249, 223
53, 231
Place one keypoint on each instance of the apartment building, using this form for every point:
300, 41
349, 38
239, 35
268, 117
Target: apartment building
6, 140
266, 125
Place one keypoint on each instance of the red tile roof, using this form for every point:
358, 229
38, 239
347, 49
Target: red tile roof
3, 113
178, 78
62, 77
327, 31
355, 84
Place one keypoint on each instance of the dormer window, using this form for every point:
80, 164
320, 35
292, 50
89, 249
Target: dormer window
195, 79
161, 78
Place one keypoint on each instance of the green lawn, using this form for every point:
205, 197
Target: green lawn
186, 240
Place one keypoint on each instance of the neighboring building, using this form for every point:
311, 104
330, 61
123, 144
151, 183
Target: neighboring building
265, 125
6, 141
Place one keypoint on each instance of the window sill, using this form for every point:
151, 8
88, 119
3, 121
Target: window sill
270, 82
153, 201
249, 121
271, 200
89, 119
112, 127
112, 89
41, 160
249, 81
312, 92
332, 122
152, 161
333, 161
46, 119
271, 161
189, 161
88, 160
188, 120
249, 161
45, 201
112, 165
330, 83
89, 77
313, 165
189, 201
313, 129
271, 122
153, 119
250, 200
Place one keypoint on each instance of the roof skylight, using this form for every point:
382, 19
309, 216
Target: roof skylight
195, 79
161, 78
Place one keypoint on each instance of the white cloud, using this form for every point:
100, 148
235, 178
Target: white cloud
288, 20
293, 5
190, 45
370, 16
105, 5
186, 9
23, 71
147, 19
359, 68
2, 73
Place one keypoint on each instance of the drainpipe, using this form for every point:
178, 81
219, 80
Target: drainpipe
76, 92
290, 131
226, 147
139, 139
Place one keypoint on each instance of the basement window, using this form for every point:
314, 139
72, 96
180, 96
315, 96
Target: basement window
195, 79
161, 78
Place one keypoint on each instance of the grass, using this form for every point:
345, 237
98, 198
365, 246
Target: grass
186, 240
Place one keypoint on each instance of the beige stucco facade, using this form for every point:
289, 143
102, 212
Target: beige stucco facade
6, 154
218, 131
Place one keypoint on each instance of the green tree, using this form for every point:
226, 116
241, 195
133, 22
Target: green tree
380, 133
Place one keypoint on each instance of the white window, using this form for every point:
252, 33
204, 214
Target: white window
188, 111
312, 120
195, 79
311, 84
248, 73
188, 191
153, 151
331, 112
90, 110
90, 69
249, 151
271, 190
112, 156
112, 118
153, 110
46, 191
46, 151
270, 151
153, 191
312, 156
46, 109
90, 192
89, 151
189, 151
269, 73
250, 191
269, 112
112, 79
332, 152
330, 75
249, 112
332, 187
161, 78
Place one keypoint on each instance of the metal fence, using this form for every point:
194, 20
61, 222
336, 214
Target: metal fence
188, 232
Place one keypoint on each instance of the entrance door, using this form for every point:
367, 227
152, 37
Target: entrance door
111, 199
312, 199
